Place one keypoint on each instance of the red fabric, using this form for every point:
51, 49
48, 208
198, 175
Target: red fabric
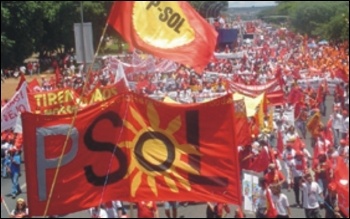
261, 162
340, 73
295, 95
326, 173
146, 209
271, 208
198, 52
58, 75
55, 102
242, 130
297, 144
22, 79
34, 86
280, 142
273, 177
341, 178
161, 152
246, 164
220, 208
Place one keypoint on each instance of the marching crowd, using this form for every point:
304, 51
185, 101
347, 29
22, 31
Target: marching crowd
282, 54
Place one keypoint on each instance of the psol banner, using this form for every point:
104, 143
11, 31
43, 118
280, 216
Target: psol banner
132, 148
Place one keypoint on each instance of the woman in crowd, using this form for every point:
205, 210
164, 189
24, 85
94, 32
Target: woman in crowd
21, 210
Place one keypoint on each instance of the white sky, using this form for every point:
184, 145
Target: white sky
239, 4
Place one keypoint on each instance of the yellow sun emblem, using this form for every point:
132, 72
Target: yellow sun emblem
156, 153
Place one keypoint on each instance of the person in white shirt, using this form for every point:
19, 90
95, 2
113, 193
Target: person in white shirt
114, 209
312, 194
281, 202
344, 147
345, 124
97, 212
337, 125
261, 200
297, 168
287, 156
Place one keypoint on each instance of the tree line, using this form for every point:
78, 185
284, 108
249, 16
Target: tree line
318, 19
45, 27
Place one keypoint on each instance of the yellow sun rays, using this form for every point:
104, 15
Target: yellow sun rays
151, 180
153, 116
171, 176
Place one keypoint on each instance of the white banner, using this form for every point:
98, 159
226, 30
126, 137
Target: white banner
315, 83
13, 108
237, 55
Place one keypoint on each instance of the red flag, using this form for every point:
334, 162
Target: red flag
341, 171
341, 74
142, 149
341, 178
295, 95
34, 86
280, 142
58, 75
297, 144
261, 162
167, 29
22, 79
243, 131
271, 208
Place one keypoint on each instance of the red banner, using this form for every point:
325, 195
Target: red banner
64, 101
142, 149
166, 29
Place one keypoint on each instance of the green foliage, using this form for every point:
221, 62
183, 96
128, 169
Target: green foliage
326, 20
28, 27
209, 8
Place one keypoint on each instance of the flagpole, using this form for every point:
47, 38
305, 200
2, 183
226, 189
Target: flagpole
82, 33
72, 125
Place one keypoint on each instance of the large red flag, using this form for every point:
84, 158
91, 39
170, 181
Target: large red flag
167, 29
132, 148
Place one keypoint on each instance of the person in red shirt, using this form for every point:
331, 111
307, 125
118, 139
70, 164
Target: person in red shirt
147, 210
322, 169
274, 176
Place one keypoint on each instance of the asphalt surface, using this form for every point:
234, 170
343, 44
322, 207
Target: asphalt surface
191, 211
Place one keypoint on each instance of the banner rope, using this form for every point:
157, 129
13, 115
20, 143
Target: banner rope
73, 122
111, 160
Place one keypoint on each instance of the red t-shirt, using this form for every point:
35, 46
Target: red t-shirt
146, 209
274, 177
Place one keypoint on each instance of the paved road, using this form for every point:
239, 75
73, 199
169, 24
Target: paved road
191, 211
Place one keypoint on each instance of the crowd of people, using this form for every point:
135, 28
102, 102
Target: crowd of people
278, 54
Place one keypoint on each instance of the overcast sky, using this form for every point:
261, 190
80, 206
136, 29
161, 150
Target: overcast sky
239, 4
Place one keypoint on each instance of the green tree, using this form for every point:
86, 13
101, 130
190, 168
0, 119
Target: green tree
209, 8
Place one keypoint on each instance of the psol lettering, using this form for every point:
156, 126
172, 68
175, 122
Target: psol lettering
171, 18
